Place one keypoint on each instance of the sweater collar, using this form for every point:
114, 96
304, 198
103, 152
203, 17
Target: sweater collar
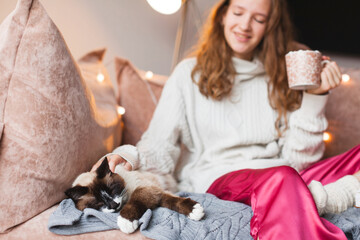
247, 69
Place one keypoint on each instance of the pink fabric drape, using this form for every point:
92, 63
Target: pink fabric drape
281, 201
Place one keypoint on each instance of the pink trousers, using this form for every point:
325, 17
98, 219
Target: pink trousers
281, 201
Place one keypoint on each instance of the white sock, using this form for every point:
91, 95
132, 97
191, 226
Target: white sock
335, 197
341, 194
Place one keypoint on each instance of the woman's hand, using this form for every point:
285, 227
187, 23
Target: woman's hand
113, 161
330, 77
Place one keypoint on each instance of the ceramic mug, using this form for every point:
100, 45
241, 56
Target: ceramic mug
304, 68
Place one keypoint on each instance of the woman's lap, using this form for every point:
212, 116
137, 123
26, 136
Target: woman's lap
279, 197
331, 169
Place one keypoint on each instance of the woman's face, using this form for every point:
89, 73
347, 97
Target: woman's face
244, 25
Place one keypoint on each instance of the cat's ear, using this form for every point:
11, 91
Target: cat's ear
76, 192
104, 169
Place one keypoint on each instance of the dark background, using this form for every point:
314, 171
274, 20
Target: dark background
328, 25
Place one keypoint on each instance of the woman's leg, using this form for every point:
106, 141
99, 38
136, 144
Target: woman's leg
334, 187
331, 169
282, 204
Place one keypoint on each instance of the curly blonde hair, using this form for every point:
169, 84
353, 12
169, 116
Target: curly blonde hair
217, 73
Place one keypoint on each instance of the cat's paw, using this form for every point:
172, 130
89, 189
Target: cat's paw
127, 226
197, 212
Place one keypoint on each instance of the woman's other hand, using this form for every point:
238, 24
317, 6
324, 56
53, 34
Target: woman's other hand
330, 77
113, 161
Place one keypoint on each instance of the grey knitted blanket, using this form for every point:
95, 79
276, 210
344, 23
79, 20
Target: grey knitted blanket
223, 220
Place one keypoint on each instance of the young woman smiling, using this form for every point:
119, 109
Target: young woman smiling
227, 123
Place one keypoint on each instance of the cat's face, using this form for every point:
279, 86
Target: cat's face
102, 190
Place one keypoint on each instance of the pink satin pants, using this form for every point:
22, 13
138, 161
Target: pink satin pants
281, 201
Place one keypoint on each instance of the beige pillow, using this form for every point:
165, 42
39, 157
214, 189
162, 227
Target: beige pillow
52, 126
138, 94
342, 111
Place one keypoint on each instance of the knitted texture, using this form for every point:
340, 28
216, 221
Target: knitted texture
212, 138
335, 197
223, 220
341, 194
319, 194
68, 220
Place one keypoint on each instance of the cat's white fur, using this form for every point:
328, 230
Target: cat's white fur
197, 212
128, 226
134, 179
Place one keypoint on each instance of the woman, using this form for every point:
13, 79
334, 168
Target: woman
230, 111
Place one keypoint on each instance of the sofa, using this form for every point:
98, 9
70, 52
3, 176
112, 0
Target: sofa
58, 116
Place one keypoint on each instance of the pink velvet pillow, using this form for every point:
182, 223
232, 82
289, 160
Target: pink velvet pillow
138, 94
342, 111
52, 126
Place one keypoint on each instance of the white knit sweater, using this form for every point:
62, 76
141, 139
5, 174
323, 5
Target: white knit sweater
200, 139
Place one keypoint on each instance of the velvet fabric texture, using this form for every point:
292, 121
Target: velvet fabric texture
342, 112
53, 127
138, 94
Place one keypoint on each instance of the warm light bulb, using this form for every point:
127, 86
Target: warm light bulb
121, 110
345, 78
165, 6
326, 137
149, 75
100, 77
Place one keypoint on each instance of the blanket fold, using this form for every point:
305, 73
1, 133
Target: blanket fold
222, 220
68, 220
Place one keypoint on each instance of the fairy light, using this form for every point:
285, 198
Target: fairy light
165, 6
345, 78
149, 75
121, 110
100, 77
326, 137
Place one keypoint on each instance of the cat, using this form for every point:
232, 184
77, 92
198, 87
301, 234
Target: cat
131, 193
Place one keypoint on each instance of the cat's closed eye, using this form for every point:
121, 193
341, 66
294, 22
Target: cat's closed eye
103, 190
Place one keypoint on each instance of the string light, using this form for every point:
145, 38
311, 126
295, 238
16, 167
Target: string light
100, 77
121, 110
326, 137
345, 78
165, 6
149, 75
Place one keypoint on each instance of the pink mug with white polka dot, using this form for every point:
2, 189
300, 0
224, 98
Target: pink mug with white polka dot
303, 69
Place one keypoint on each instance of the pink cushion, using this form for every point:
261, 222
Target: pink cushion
138, 96
343, 115
52, 126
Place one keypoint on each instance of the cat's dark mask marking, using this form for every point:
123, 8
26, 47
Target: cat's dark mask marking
104, 190
101, 190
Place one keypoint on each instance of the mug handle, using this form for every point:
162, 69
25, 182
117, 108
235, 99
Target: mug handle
324, 62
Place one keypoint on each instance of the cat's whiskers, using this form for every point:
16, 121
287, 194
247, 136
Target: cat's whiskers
121, 199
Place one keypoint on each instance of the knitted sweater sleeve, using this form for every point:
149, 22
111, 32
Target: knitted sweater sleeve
302, 143
159, 147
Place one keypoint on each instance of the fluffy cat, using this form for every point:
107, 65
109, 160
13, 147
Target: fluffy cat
132, 192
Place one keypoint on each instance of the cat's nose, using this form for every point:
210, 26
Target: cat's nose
114, 205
